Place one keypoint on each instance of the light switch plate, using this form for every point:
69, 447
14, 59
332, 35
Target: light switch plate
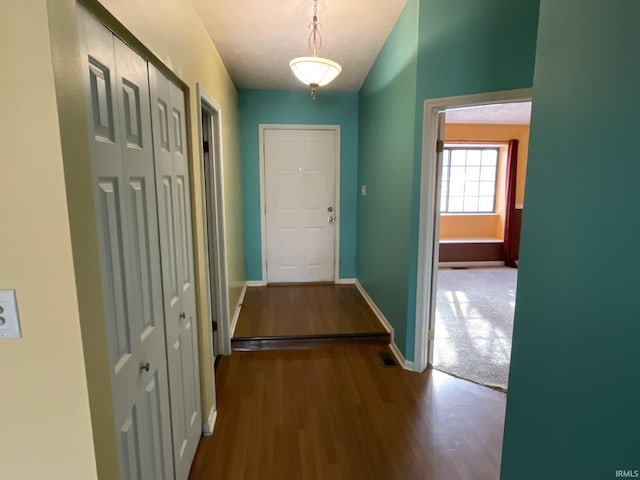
9, 321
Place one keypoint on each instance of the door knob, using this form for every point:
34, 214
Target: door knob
330, 219
145, 367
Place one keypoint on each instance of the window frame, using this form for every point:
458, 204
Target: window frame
450, 146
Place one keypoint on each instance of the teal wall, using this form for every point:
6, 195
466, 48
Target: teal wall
466, 47
574, 387
438, 48
471, 46
386, 116
296, 107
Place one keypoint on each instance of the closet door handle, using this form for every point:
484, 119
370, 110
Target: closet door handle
183, 315
145, 367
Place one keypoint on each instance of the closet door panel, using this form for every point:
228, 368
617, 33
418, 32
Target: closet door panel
144, 263
188, 331
118, 116
172, 180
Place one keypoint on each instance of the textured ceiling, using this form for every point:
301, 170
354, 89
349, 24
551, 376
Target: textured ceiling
517, 113
257, 38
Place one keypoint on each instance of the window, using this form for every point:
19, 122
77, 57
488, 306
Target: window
469, 180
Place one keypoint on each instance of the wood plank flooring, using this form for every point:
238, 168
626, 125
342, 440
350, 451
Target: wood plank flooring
305, 310
338, 413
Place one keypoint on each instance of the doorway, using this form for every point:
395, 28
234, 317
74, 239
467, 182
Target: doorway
299, 170
215, 246
482, 180
435, 112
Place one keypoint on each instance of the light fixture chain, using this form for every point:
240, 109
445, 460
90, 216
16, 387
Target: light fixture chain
315, 71
315, 38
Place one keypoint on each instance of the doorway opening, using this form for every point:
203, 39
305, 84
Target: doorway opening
481, 180
463, 228
215, 247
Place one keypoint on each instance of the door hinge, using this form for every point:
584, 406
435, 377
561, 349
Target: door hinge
215, 326
205, 146
440, 146
430, 336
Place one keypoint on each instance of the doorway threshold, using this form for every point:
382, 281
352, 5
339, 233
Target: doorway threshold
298, 342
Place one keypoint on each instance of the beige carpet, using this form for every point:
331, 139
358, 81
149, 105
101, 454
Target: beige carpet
474, 323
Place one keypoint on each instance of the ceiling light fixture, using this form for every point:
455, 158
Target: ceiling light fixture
315, 71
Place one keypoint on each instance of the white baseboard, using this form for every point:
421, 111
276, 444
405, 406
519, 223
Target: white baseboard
345, 281
255, 283
208, 426
236, 314
403, 362
398, 356
387, 326
385, 323
488, 263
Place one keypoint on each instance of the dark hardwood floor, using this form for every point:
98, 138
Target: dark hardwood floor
309, 313
339, 413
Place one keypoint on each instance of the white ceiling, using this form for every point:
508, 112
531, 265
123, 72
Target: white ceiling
502, 114
257, 38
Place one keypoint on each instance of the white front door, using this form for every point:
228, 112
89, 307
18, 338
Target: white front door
118, 118
300, 200
174, 215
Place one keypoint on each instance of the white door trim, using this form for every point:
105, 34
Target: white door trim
263, 221
215, 220
428, 227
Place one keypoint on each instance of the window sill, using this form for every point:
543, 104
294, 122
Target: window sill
469, 214
471, 240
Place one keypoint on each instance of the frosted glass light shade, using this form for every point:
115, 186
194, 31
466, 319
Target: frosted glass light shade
315, 70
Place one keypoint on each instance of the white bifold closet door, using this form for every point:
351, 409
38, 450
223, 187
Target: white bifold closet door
172, 183
125, 201
141, 197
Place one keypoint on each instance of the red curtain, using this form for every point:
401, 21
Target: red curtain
510, 233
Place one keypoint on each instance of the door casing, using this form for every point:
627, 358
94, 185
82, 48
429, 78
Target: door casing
263, 219
427, 269
215, 239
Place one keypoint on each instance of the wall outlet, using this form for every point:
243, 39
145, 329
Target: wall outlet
9, 321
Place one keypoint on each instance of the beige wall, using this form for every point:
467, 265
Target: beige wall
57, 391
469, 226
45, 429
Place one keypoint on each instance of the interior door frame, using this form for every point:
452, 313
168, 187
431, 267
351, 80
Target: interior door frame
426, 281
263, 202
214, 221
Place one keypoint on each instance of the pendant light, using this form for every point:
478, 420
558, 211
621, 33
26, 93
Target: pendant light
315, 71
